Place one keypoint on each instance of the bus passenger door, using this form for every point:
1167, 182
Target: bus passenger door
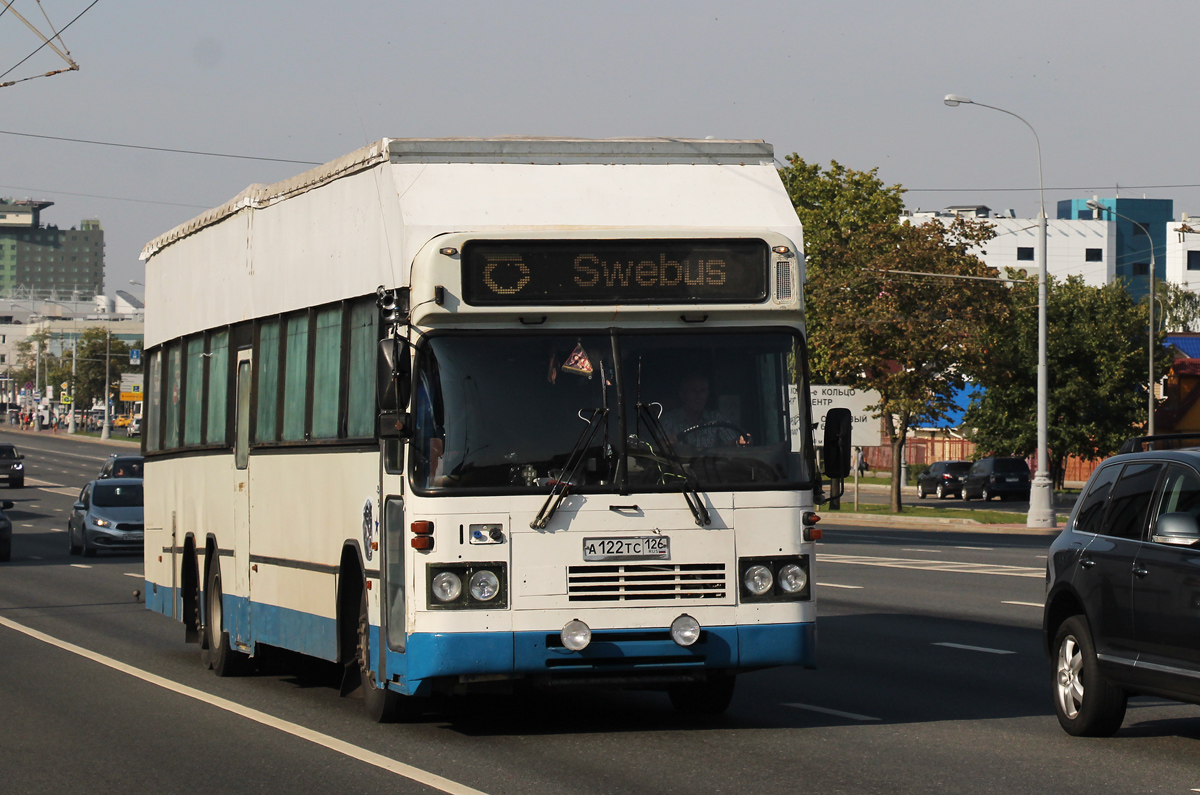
240, 633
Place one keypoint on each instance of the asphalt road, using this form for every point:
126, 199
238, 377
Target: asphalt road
931, 678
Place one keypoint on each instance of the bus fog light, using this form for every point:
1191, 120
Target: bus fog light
447, 586
792, 578
484, 586
685, 630
576, 635
758, 580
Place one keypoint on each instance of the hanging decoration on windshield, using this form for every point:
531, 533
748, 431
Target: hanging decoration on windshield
578, 362
575, 272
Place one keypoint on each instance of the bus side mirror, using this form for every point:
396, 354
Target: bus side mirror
839, 422
395, 425
395, 377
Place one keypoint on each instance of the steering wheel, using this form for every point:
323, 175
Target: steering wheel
738, 430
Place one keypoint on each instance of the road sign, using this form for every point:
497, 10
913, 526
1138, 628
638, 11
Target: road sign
866, 430
65, 399
131, 387
135, 356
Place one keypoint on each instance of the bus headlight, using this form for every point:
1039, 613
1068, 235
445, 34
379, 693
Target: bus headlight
447, 586
576, 635
484, 586
792, 578
758, 580
685, 630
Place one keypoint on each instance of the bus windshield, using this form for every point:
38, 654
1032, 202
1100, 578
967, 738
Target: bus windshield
610, 412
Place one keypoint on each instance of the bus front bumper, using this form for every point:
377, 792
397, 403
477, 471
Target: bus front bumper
615, 653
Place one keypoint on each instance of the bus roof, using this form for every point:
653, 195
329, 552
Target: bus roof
510, 150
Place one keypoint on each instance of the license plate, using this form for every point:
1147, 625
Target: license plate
636, 548
1012, 480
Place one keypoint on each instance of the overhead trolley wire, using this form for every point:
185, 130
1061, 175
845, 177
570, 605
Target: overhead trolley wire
159, 148
45, 43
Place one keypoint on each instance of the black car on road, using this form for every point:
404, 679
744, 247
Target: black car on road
1122, 614
12, 466
997, 477
122, 466
943, 478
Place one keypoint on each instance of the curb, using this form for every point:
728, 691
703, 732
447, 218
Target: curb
932, 523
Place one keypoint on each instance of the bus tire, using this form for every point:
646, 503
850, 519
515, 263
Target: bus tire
223, 658
710, 697
383, 705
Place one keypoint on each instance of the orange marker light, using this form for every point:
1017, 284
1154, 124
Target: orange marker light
422, 528
424, 543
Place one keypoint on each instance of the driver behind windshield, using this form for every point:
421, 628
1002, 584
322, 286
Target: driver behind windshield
694, 424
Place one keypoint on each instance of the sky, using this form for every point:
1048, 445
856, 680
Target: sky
1109, 87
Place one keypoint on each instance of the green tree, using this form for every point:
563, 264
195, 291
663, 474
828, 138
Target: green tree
842, 211
912, 338
90, 371
1179, 308
1095, 353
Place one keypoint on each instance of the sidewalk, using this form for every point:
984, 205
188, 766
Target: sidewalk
77, 437
930, 523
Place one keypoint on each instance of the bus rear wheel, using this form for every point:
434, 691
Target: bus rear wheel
710, 697
383, 705
222, 658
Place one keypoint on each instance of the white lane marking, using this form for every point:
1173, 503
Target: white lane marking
57, 530
838, 585
65, 491
1040, 557
936, 565
913, 549
1024, 604
416, 774
974, 648
985, 549
80, 566
35, 557
26, 524
134, 574
836, 712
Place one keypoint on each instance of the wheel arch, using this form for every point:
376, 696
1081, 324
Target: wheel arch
1060, 605
350, 584
190, 587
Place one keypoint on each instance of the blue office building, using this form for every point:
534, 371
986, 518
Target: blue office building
1131, 260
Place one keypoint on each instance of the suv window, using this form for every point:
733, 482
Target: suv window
979, 466
1181, 492
959, 468
1130, 499
1091, 511
1011, 465
937, 468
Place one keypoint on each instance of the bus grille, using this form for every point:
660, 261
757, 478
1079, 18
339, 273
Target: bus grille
645, 582
783, 281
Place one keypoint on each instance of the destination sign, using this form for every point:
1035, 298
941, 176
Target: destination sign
671, 271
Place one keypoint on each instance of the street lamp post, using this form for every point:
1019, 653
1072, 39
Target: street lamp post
1041, 494
1095, 205
106, 431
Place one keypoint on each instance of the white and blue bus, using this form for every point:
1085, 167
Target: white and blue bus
463, 412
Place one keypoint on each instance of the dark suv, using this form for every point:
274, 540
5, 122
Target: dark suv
944, 478
1122, 611
997, 477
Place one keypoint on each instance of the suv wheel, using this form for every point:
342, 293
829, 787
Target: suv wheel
1087, 704
941, 492
920, 490
985, 494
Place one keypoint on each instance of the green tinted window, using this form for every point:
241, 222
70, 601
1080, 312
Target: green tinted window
295, 392
267, 362
364, 343
193, 414
218, 387
153, 402
173, 396
327, 370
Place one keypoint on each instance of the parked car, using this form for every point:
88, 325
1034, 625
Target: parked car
134, 428
943, 478
12, 466
121, 466
1121, 612
6, 532
108, 515
997, 477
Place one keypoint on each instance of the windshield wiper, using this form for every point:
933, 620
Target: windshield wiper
571, 469
691, 493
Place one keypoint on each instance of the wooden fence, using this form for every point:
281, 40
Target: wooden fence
927, 451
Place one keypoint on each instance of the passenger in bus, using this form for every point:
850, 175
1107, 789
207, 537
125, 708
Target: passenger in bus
716, 430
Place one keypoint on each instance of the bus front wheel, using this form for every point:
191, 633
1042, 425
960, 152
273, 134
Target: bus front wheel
383, 705
710, 697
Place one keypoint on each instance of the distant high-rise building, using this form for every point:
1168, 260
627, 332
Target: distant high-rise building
37, 260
